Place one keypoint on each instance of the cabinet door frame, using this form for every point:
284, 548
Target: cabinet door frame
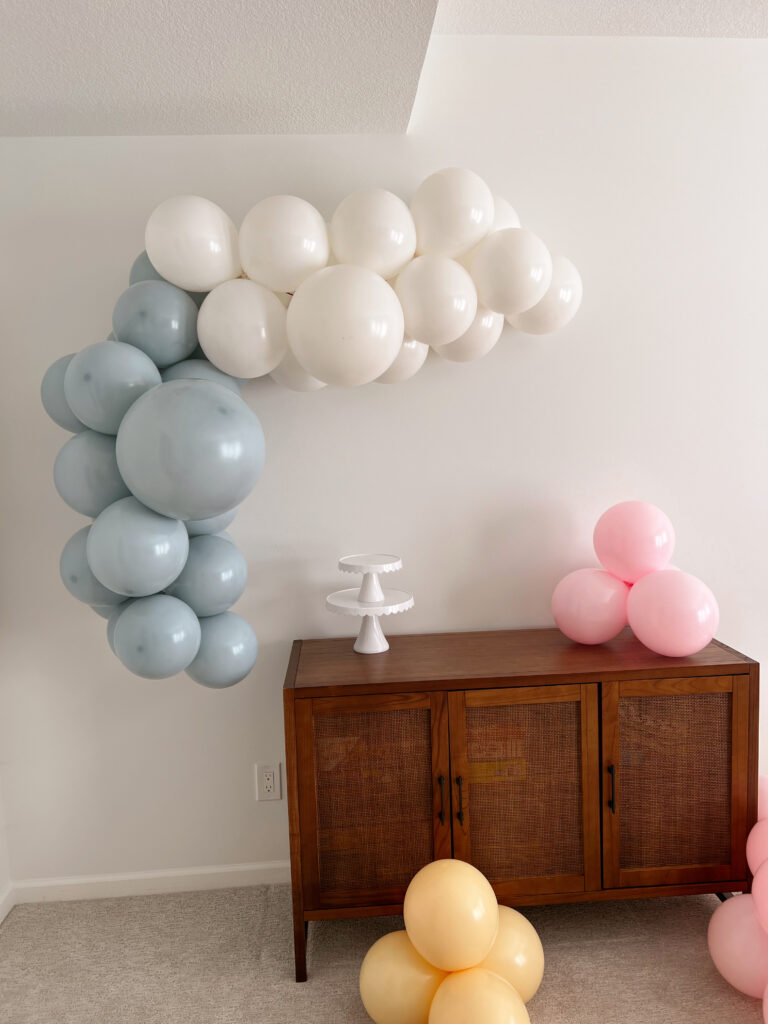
586, 694
616, 877
306, 710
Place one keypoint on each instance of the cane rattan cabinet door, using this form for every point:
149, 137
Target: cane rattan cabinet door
374, 793
525, 766
675, 754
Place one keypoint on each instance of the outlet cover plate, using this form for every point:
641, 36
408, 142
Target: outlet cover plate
267, 779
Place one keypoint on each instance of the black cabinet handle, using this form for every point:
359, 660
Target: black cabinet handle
612, 801
441, 784
460, 812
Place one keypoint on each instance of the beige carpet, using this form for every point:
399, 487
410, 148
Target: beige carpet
225, 958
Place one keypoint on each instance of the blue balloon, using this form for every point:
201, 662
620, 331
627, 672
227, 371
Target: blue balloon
104, 610
228, 649
156, 637
112, 618
77, 577
200, 369
86, 475
104, 380
142, 270
134, 551
216, 524
213, 578
54, 400
190, 449
158, 318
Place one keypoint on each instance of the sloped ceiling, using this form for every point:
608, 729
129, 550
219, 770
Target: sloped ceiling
167, 67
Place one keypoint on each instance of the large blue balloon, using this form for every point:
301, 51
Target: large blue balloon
200, 369
86, 475
134, 551
77, 577
228, 649
216, 524
190, 449
112, 618
158, 318
213, 578
104, 380
142, 270
54, 400
156, 637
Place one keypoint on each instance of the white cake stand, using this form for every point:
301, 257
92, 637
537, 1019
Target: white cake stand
370, 601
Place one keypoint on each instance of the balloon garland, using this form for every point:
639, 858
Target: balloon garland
165, 449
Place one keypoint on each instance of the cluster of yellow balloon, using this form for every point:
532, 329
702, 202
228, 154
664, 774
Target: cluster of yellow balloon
462, 958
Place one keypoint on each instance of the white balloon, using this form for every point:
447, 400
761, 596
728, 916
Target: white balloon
504, 215
559, 305
512, 269
408, 362
283, 240
439, 299
477, 341
345, 325
452, 210
241, 327
374, 229
192, 243
291, 374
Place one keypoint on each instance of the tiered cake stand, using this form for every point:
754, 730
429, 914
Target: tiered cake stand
370, 601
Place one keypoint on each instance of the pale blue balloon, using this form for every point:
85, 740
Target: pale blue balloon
156, 637
104, 610
228, 649
77, 577
114, 615
134, 551
190, 449
216, 524
158, 318
104, 380
54, 400
200, 369
86, 475
225, 535
213, 578
142, 270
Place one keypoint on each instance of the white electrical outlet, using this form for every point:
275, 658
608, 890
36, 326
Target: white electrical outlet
267, 777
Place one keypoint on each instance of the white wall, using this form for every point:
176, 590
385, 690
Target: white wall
5, 865
645, 161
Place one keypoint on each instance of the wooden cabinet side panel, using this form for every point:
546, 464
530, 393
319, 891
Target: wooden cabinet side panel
740, 771
305, 756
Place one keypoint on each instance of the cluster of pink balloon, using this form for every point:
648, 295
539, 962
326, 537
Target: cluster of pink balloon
364, 297
461, 958
671, 612
738, 930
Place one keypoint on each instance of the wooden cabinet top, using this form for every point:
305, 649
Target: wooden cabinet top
510, 657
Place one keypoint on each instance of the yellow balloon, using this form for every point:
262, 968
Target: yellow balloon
396, 984
451, 914
517, 955
477, 996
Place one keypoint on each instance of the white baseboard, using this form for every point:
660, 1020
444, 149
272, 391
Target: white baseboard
7, 901
144, 883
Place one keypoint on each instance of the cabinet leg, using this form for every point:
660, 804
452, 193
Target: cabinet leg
723, 896
300, 933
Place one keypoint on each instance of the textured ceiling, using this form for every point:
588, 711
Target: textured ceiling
167, 67
721, 18
151, 67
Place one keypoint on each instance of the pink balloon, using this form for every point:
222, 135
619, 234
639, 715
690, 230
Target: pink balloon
672, 613
757, 845
633, 538
762, 797
760, 894
590, 606
739, 946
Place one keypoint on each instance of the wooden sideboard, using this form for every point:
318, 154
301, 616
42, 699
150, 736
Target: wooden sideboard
562, 772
